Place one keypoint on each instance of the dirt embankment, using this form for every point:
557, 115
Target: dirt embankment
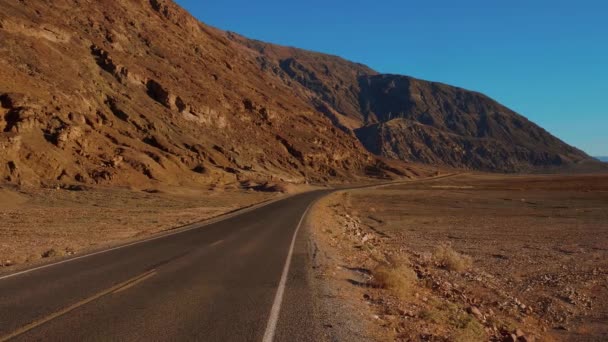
469, 258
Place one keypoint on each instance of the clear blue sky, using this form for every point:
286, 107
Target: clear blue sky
546, 59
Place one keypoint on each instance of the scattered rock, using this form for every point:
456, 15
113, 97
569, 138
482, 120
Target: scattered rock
248, 105
51, 253
116, 161
476, 312
68, 134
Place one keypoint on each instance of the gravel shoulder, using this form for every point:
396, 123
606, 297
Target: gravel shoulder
339, 309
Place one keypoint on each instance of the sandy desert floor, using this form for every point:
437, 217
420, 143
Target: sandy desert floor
39, 224
468, 258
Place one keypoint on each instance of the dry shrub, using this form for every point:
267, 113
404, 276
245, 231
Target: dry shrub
451, 260
51, 253
464, 327
399, 279
426, 259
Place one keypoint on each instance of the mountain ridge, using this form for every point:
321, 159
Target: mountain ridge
357, 102
132, 92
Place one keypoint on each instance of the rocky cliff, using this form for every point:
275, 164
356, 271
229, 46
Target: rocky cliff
123, 92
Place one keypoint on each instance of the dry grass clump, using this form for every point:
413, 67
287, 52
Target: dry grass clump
464, 327
400, 279
449, 259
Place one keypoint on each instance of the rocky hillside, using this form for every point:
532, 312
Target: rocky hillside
125, 92
128, 92
405, 118
430, 122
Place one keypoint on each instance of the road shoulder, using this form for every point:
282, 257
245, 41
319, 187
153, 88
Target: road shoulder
340, 312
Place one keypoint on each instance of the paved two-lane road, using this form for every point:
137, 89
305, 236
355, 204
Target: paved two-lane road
218, 282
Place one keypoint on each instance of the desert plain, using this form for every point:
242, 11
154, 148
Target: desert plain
43, 224
468, 257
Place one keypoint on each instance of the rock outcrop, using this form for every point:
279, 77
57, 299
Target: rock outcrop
123, 92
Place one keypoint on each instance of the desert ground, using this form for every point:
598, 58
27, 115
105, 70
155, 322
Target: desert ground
472, 257
37, 225
461, 257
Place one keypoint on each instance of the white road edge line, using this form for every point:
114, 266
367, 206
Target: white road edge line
193, 226
278, 298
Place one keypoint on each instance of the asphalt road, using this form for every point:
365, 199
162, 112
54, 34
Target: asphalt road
218, 282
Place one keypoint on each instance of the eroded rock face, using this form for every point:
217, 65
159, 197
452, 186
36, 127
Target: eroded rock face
414, 120
411, 140
161, 95
18, 113
128, 92
439, 124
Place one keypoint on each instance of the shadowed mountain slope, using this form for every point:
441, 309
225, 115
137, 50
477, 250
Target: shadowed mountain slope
401, 117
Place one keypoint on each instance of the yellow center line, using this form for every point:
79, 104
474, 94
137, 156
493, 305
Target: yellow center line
135, 282
216, 243
114, 289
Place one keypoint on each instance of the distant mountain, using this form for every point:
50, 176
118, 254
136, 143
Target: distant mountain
604, 159
405, 118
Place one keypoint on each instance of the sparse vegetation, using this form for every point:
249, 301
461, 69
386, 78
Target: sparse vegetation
445, 256
472, 330
465, 327
515, 244
400, 279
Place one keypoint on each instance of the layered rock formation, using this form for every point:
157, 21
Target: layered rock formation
133, 91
